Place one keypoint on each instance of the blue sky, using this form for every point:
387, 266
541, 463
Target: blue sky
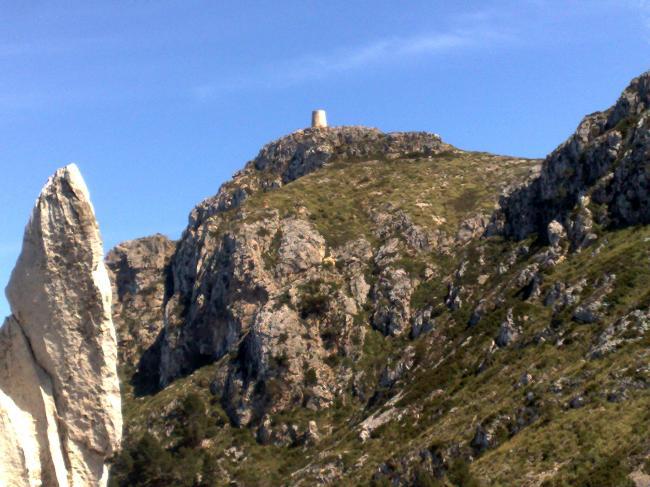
159, 102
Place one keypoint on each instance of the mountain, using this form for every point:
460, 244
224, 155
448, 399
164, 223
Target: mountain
353, 308
302, 285
362, 308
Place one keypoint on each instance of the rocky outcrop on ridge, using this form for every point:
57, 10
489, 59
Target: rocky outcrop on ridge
138, 272
598, 176
60, 406
278, 163
305, 151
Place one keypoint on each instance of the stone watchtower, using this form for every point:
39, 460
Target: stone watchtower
318, 119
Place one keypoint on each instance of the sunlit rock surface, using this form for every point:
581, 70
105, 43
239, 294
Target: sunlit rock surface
60, 407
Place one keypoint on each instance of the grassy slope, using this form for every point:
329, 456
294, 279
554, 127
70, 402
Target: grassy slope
436, 192
445, 396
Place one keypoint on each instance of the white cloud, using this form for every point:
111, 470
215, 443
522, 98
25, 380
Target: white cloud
381, 52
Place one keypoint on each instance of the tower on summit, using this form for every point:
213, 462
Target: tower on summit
318, 119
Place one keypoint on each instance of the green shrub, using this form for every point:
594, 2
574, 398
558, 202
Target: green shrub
460, 475
146, 463
424, 478
381, 482
333, 360
263, 232
646, 466
598, 472
279, 362
283, 299
311, 379
195, 424
314, 301
627, 124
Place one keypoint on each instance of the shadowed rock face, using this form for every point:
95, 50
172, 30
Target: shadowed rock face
138, 271
60, 406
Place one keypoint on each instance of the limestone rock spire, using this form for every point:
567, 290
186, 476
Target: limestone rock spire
60, 406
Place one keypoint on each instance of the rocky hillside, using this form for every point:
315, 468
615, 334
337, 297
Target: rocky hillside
359, 308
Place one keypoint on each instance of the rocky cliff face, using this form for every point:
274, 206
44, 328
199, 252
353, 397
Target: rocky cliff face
138, 270
285, 293
60, 404
598, 176
222, 280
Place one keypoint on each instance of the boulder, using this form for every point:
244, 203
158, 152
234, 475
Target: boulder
555, 233
301, 247
508, 331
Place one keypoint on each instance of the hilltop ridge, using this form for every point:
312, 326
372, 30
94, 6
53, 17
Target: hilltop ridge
306, 150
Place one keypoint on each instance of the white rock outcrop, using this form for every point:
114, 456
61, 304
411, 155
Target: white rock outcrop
60, 406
